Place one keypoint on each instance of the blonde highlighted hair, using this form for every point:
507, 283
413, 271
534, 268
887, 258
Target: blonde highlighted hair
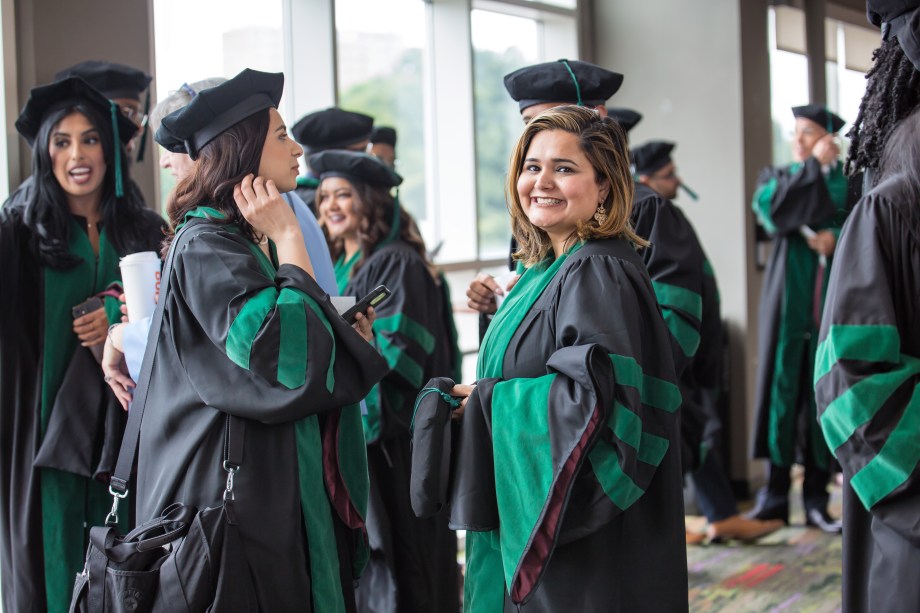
604, 143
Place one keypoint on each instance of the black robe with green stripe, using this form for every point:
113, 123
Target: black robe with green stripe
786, 199
867, 384
676, 265
413, 561
243, 336
567, 476
46, 512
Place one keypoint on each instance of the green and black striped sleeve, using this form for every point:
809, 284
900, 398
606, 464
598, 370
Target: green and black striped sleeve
607, 403
789, 197
675, 263
867, 368
285, 345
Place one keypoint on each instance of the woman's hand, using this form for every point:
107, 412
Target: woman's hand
364, 324
114, 367
823, 242
462, 393
123, 308
91, 328
265, 209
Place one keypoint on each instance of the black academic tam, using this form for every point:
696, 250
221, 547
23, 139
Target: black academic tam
332, 128
562, 81
354, 166
113, 80
652, 156
819, 114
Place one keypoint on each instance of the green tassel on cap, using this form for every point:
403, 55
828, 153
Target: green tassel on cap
394, 224
575, 79
119, 185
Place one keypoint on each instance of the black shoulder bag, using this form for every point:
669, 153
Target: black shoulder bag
185, 561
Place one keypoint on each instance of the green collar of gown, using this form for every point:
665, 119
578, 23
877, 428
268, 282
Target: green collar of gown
512, 312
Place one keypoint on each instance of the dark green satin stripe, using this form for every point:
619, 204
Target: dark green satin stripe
868, 343
293, 349
627, 426
678, 297
246, 325
618, 486
653, 391
896, 460
686, 335
401, 362
314, 306
858, 404
408, 327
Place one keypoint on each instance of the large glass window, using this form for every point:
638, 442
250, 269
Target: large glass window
788, 76
501, 44
380, 51
213, 38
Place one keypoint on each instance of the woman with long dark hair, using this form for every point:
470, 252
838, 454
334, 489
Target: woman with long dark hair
374, 241
59, 424
248, 335
566, 474
867, 374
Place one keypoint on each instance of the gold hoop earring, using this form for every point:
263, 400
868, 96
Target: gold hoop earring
600, 215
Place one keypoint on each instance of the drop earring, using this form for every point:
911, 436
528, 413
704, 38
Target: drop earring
600, 215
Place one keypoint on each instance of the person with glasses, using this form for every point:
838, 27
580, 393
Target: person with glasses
802, 206
701, 349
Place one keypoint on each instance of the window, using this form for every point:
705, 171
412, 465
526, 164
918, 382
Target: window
380, 51
213, 38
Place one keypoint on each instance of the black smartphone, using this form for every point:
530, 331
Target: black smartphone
374, 298
87, 306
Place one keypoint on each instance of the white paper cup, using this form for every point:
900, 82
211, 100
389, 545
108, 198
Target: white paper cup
140, 274
343, 303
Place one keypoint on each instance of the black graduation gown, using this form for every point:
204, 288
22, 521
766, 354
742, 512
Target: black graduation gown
413, 566
266, 345
786, 199
867, 376
676, 265
22, 564
566, 474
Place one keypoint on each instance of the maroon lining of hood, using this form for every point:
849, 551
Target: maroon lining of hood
335, 484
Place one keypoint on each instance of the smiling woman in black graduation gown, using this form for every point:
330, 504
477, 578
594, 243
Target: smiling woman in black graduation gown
567, 477
57, 250
373, 242
247, 332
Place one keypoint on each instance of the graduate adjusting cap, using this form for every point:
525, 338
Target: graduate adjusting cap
113, 80
819, 114
627, 118
332, 128
562, 81
214, 110
45, 99
653, 155
384, 135
354, 166
899, 18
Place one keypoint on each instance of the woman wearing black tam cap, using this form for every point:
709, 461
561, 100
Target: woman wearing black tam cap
868, 361
566, 473
374, 241
61, 250
249, 338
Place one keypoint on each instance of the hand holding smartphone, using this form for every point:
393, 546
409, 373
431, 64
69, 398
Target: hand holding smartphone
373, 299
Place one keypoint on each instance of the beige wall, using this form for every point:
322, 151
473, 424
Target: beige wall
682, 64
115, 30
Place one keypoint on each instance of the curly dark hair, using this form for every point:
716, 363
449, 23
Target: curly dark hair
892, 93
375, 207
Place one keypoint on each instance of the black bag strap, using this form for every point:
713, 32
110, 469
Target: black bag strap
233, 448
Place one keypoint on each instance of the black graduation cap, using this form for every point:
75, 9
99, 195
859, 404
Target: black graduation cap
332, 128
627, 118
113, 80
562, 81
354, 166
45, 99
899, 18
819, 114
653, 155
214, 110
385, 135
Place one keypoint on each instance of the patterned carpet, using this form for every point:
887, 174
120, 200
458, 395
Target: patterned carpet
796, 569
